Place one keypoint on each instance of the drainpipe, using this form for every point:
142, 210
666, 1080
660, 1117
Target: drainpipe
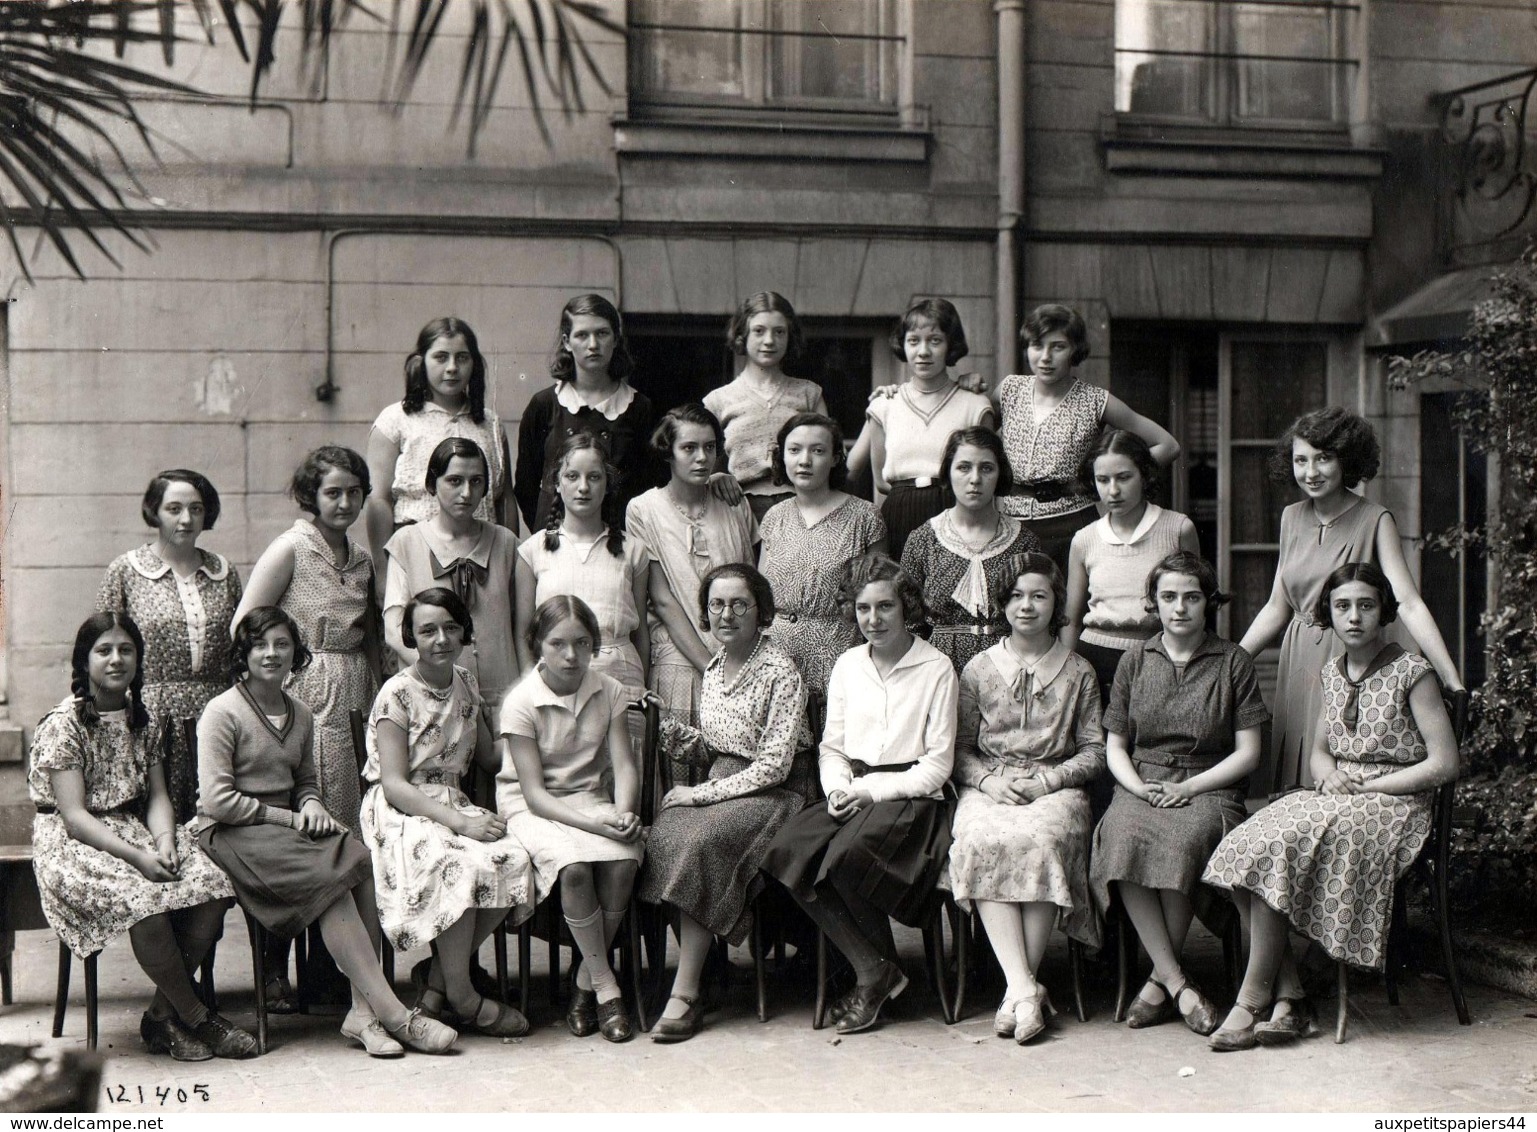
1011, 177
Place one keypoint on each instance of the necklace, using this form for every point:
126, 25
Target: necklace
758, 644
970, 544
694, 517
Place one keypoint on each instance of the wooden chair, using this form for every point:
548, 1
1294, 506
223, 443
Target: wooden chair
1432, 866
967, 930
1126, 951
358, 727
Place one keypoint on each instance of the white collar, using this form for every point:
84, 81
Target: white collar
541, 694
1149, 517
612, 406
1047, 669
149, 564
917, 655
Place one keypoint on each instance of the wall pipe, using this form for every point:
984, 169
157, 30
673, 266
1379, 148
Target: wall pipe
1011, 178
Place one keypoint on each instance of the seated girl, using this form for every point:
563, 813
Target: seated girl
290, 862
708, 841
877, 848
445, 870
1182, 734
1027, 743
1325, 861
101, 869
569, 789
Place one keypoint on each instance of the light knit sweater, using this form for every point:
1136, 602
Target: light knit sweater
248, 771
1117, 616
752, 424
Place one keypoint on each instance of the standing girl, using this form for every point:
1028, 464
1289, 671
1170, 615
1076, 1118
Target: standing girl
967, 554
569, 789
445, 397
1027, 743
878, 847
446, 871
808, 542
470, 556
908, 431
1327, 452
183, 599
1182, 735
1050, 420
591, 394
102, 868
756, 403
687, 531
1324, 862
1107, 567
583, 552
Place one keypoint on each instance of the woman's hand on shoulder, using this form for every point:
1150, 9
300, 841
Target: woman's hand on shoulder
678, 796
724, 486
315, 822
482, 825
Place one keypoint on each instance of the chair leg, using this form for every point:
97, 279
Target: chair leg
525, 960
1398, 931
637, 977
934, 950
301, 969
1232, 956
90, 1002
7, 949
1075, 961
819, 1011
1342, 978
499, 948
1439, 899
387, 961
963, 930
1123, 958
557, 989
258, 936
757, 966
61, 995
206, 991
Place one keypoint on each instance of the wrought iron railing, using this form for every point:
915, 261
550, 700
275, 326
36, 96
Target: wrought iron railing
1489, 177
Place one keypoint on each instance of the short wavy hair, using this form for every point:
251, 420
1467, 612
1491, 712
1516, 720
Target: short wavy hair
440, 597
563, 366
1367, 572
762, 592
840, 471
1205, 574
304, 488
766, 302
665, 434
154, 495
1035, 562
1054, 318
942, 314
870, 568
976, 436
1349, 436
250, 630
1121, 442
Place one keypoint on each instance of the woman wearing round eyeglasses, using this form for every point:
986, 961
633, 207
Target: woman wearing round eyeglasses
708, 841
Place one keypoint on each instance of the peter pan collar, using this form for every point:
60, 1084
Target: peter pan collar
1047, 669
1149, 517
612, 407
541, 694
150, 565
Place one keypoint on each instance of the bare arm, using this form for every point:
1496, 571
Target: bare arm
523, 586
269, 580
1441, 761
640, 637
1120, 415
626, 770
1118, 758
1269, 621
379, 510
541, 803
680, 626
859, 455
87, 828
1077, 596
1411, 606
395, 598
395, 779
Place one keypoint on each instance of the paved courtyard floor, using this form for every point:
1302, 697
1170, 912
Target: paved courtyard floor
1413, 1057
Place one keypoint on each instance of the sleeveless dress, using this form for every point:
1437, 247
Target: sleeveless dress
1045, 458
1310, 552
1329, 862
331, 605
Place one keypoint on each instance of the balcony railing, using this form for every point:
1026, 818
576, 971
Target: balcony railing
1488, 183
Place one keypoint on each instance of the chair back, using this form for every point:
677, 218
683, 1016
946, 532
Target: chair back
356, 725
805, 774
1439, 846
652, 772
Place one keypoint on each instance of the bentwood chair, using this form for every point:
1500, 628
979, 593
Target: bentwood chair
968, 933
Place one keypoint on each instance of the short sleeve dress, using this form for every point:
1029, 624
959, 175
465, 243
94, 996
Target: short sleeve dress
90, 896
805, 567
572, 736
426, 876
1329, 862
417, 434
1176, 724
185, 622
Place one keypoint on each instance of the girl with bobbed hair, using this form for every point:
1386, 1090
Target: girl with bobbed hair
1329, 453
756, 403
592, 393
445, 397
110, 856
183, 599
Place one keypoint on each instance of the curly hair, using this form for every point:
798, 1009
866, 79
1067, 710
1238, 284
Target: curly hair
1054, 318
440, 597
1121, 442
250, 630
553, 611
840, 470
870, 568
1034, 562
417, 387
1348, 436
444, 454
1205, 574
665, 434
976, 437
563, 365
154, 495
1366, 572
91, 630
609, 509
304, 488
942, 315
762, 592
766, 302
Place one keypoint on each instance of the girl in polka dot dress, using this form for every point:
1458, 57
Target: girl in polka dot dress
1325, 861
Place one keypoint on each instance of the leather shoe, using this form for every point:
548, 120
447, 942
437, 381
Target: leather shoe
1030, 1015
866, 1002
840, 1005
505, 1021
582, 1014
1003, 1021
679, 1029
167, 1035
614, 1021
368, 1030
423, 1034
1233, 1040
1297, 1023
1142, 1013
1201, 1016
224, 1037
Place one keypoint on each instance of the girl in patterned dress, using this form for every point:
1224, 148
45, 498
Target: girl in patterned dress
1028, 741
968, 553
445, 397
808, 542
708, 840
102, 869
183, 599
445, 870
1325, 861
1050, 419
754, 405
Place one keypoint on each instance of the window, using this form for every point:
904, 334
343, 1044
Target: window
840, 56
1273, 63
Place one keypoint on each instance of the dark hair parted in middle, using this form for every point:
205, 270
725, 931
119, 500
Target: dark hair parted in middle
766, 302
578, 442
418, 390
553, 611
154, 495
870, 568
1367, 572
1121, 442
840, 471
250, 630
91, 630
1349, 436
1034, 562
441, 597
1054, 318
444, 454
1205, 574
665, 434
620, 366
762, 592
940, 313
976, 437
304, 488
